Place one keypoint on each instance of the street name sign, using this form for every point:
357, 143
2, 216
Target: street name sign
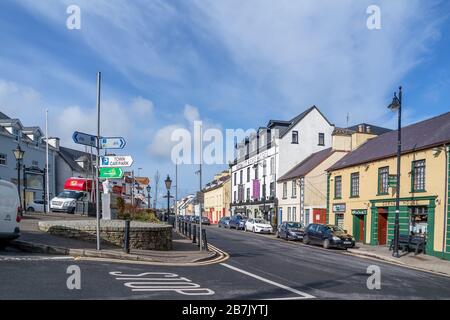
85, 139
116, 161
112, 173
112, 143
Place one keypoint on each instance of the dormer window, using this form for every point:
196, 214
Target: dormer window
295, 137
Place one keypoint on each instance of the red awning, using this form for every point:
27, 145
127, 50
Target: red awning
78, 184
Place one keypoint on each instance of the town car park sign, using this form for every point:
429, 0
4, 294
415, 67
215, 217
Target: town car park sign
116, 161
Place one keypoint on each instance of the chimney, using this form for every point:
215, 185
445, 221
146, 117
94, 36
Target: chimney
54, 142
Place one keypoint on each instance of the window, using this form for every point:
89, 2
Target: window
418, 175
272, 165
234, 196
294, 189
419, 220
354, 184
248, 174
284, 190
256, 172
338, 187
289, 214
272, 189
248, 194
383, 180
35, 163
263, 190
294, 136
321, 139
294, 213
3, 158
235, 178
240, 176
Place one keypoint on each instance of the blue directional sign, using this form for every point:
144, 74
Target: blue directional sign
112, 143
84, 138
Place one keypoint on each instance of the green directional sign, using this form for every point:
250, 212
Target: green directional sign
392, 181
111, 173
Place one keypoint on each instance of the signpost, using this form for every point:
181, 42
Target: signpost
392, 180
116, 161
111, 173
85, 139
112, 143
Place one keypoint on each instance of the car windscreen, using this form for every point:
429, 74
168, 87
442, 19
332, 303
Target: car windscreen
295, 225
69, 194
260, 221
336, 229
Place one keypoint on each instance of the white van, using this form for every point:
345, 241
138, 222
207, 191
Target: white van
10, 212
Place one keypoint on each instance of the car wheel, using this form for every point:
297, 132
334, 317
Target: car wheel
306, 240
30, 209
326, 244
3, 244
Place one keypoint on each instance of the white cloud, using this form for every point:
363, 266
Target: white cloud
191, 113
142, 106
162, 144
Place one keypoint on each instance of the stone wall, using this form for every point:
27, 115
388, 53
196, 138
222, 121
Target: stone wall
145, 236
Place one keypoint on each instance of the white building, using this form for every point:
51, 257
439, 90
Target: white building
270, 153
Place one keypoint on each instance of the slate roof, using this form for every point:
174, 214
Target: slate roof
3, 116
422, 135
70, 155
304, 167
373, 129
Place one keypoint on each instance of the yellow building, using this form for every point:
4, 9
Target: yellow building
362, 199
217, 197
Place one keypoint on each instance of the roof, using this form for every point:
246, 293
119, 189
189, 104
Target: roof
70, 155
304, 167
422, 135
3, 116
373, 129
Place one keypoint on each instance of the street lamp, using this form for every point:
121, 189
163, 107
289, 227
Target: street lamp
148, 196
18, 154
168, 183
395, 105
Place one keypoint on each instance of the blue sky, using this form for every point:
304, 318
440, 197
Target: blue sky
231, 64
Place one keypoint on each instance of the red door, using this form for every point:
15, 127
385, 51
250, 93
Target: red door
382, 225
320, 216
362, 230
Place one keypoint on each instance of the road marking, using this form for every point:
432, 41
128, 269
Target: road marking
303, 295
161, 281
31, 258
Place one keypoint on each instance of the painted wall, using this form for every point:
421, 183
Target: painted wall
217, 202
368, 190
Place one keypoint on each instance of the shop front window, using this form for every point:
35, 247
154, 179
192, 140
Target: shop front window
419, 220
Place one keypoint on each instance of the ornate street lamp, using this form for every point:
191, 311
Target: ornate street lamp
396, 105
149, 188
18, 154
168, 183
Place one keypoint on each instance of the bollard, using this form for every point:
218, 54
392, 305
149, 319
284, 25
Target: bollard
194, 235
198, 235
126, 238
190, 230
205, 243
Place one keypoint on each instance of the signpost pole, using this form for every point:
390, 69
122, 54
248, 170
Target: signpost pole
97, 188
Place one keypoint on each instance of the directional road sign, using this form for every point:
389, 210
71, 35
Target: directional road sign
111, 173
392, 180
84, 138
112, 143
116, 161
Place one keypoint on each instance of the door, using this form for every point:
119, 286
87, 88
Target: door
359, 228
382, 225
320, 216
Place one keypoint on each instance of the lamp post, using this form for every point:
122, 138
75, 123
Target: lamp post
149, 188
168, 183
395, 105
18, 154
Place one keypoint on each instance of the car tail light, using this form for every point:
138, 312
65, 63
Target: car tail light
19, 214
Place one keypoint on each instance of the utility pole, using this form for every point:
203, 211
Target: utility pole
200, 194
176, 194
132, 187
47, 194
97, 188
156, 189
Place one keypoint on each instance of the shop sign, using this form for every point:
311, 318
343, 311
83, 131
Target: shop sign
339, 207
359, 212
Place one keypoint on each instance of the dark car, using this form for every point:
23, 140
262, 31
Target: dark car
291, 230
206, 221
224, 222
329, 236
237, 222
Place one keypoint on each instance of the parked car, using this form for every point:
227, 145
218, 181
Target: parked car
66, 201
224, 222
206, 221
36, 206
328, 236
10, 212
291, 230
235, 222
258, 225
242, 223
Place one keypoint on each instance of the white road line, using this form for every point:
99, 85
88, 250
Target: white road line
31, 258
304, 295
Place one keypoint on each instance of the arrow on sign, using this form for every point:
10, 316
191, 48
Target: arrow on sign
112, 143
116, 161
112, 173
84, 138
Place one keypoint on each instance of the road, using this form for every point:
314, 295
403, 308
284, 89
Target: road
259, 267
